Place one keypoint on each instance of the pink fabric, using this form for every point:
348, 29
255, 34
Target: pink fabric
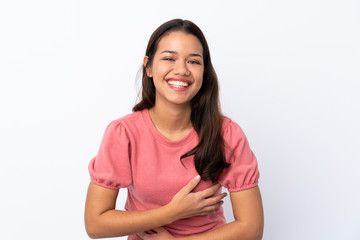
134, 155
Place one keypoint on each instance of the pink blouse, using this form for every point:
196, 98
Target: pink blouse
134, 155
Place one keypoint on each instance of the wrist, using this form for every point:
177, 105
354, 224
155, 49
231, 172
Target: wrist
170, 212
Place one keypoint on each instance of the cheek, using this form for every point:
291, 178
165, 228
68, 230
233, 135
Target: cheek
201, 74
200, 84
160, 69
199, 78
197, 88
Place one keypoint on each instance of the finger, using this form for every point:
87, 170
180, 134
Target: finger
191, 185
210, 191
211, 209
213, 203
214, 200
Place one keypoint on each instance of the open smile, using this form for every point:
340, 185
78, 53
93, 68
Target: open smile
178, 84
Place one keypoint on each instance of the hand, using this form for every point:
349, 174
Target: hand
187, 204
160, 234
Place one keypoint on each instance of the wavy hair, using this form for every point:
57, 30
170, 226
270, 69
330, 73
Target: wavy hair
206, 118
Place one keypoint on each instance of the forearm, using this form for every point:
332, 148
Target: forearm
115, 223
232, 231
249, 219
102, 220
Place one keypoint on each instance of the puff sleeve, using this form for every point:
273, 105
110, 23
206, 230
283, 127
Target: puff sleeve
243, 172
111, 167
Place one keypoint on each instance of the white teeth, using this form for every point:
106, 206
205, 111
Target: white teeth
178, 83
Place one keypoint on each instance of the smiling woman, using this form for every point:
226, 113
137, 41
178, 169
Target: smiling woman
174, 153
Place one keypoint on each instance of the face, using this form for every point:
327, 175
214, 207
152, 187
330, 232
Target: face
177, 68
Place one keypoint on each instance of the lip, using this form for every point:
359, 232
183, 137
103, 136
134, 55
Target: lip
180, 80
179, 89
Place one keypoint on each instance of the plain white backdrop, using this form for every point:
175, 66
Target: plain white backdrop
289, 74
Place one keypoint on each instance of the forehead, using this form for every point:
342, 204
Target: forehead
180, 42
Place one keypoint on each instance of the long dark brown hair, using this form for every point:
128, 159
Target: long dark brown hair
209, 154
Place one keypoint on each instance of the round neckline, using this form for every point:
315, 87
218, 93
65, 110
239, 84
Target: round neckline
161, 138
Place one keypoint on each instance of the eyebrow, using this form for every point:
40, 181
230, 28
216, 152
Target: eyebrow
174, 52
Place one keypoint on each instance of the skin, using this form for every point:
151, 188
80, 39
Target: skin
179, 56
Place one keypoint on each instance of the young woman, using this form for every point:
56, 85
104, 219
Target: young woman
174, 153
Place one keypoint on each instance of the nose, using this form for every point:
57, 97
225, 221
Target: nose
180, 68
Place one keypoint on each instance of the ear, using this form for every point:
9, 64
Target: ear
147, 68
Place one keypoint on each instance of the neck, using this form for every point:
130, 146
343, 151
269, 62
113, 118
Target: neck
171, 121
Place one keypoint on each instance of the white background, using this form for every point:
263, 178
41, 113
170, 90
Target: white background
289, 74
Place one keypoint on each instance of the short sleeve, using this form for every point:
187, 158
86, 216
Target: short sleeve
111, 167
243, 172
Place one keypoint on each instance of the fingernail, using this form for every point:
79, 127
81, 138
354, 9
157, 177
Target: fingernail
197, 177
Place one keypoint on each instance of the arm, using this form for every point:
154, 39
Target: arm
249, 218
248, 223
102, 220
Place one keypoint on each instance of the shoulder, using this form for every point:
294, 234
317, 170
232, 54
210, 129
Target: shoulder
127, 120
126, 124
231, 128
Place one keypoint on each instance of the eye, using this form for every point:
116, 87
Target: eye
194, 62
169, 59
